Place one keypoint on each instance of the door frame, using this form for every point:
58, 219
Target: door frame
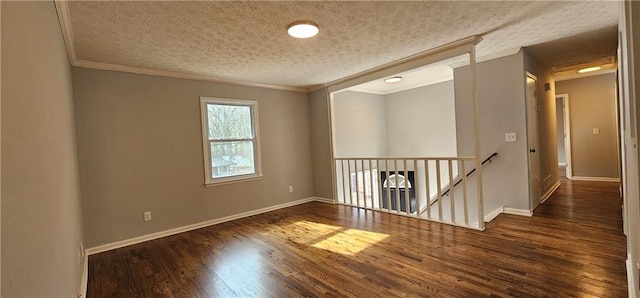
567, 132
532, 116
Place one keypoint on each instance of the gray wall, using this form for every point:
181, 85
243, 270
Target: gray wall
501, 109
140, 149
359, 124
321, 143
41, 213
547, 129
593, 105
421, 121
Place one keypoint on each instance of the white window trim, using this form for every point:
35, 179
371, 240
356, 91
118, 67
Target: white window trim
208, 179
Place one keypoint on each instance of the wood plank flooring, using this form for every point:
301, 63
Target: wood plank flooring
573, 246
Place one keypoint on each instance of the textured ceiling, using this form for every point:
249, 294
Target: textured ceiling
247, 41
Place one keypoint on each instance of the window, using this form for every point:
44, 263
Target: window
230, 139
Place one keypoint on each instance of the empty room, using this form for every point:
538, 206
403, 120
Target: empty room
319, 149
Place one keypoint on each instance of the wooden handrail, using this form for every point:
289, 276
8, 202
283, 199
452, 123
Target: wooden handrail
488, 159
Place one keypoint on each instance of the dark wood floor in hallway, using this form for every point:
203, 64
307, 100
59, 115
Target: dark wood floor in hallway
573, 246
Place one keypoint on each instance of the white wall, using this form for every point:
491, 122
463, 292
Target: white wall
421, 121
359, 124
414, 123
501, 105
41, 212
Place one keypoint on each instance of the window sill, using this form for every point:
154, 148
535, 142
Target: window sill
232, 180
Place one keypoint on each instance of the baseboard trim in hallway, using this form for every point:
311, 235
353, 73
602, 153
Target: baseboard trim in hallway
521, 212
550, 192
598, 179
85, 277
506, 210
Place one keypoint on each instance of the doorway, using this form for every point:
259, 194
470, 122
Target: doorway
563, 135
532, 141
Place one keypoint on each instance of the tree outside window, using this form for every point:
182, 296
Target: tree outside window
231, 139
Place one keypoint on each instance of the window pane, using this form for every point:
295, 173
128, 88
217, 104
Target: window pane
232, 159
229, 122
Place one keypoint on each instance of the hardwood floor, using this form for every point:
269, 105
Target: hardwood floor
573, 246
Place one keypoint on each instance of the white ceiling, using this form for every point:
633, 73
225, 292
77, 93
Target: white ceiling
247, 41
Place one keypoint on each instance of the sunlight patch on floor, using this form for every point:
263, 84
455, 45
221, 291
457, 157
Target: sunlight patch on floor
338, 239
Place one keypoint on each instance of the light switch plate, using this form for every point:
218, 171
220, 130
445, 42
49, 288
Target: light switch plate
510, 137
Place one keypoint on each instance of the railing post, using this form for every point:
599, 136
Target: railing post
349, 179
380, 186
415, 185
397, 194
464, 190
452, 199
476, 136
427, 182
439, 185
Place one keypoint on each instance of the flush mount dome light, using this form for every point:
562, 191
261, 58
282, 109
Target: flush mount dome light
589, 69
393, 80
303, 29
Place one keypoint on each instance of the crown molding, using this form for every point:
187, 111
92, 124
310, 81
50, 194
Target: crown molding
179, 75
62, 8
403, 88
456, 48
488, 57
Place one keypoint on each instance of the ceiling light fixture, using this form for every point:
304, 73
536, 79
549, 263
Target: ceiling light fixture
589, 69
393, 80
303, 29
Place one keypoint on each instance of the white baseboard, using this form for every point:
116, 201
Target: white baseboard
599, 179
550, 192
85, 277
491, 216
323, 200
631, 281
144, 238
521, 212
506, 210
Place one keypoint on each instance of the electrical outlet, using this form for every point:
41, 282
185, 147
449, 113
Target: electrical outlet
596, 131
147, 216
290, 188
510, 137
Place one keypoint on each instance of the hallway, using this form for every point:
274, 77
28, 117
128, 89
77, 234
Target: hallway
573, 246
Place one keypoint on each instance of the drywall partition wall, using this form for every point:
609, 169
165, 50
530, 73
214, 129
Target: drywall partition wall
140, 149
593, 107
41, 213
359, 125
547, 128
501, 109
321, 143
421, 121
